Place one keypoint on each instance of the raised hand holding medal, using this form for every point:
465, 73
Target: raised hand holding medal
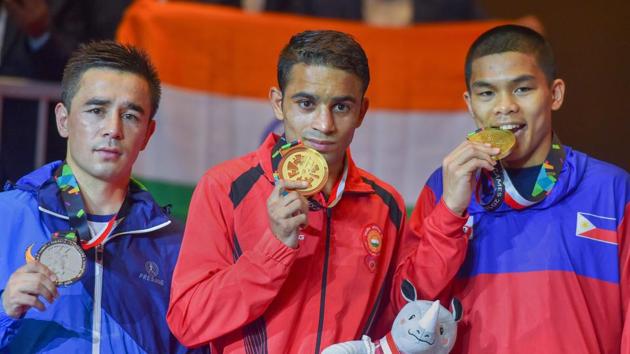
302, 172
459, 171
490, 188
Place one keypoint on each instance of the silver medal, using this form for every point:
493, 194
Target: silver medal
65, 258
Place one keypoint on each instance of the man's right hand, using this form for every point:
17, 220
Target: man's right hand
25, 286
287, 211
458, 172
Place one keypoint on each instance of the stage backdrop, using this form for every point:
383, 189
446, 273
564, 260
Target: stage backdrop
217, 65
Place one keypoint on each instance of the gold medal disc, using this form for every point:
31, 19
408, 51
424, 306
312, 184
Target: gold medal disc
503, 139
65, 258
301, 163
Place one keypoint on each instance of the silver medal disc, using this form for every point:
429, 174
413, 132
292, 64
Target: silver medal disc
65, 258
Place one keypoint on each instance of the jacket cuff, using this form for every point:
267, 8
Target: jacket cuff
272, 248
451, 224
7, 322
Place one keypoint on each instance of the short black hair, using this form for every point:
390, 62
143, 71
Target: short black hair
324, 47
109, 55
512, 38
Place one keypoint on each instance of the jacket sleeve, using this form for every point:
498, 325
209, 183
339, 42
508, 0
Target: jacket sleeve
8, 327
8, 209
432, 251
215, 289
624, 281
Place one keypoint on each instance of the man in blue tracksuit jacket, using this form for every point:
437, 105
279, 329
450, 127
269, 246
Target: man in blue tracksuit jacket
118, 304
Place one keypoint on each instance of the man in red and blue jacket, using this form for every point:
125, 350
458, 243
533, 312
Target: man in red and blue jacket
535, 246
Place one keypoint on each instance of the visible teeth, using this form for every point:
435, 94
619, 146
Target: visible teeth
508, 126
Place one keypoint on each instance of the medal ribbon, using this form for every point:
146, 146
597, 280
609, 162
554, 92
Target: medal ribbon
387, 345
339, 186
73, 203
499, 179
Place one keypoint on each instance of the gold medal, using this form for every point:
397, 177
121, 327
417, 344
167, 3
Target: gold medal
65, 258
503, 139
301, 163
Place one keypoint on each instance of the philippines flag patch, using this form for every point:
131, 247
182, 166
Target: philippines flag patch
597, 228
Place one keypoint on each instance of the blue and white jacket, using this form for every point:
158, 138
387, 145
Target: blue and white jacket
119, 305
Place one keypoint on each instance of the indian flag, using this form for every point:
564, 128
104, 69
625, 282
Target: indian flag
217, 65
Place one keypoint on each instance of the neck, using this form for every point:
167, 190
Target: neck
103, 199
534, 159
100, 197
334, 173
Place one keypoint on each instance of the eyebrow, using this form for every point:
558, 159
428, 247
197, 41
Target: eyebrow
315, 98
106, 102
481, 84
133, 106
344, 98
517, 80
523, 78
304, 95
97, 102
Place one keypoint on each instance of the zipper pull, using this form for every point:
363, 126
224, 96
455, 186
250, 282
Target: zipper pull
99, 254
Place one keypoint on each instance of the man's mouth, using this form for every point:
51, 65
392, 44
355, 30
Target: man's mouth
320, 145
514, 128
109, 152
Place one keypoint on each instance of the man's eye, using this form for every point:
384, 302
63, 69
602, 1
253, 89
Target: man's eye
130, 116
305, 104
522, 90
341, 107
485, 94
96, 111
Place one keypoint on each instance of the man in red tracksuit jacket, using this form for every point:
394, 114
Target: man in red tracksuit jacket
262, 270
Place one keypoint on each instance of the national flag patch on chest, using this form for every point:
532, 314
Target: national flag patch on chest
597, 228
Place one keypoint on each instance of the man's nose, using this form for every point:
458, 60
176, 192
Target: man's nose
324, 121
112, 126
506, 104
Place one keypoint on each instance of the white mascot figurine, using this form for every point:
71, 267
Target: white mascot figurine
421, 327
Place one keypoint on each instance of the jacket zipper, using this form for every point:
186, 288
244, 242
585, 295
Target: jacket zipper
322, 302
98, 292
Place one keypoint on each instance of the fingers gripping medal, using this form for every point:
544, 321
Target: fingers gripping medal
490, 188
301, 163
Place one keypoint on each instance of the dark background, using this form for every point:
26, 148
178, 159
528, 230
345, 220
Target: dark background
591, 40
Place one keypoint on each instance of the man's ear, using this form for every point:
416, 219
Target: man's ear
275, 97
466, 96
557, 94
468, 100
150, 131
61, 117
365, 104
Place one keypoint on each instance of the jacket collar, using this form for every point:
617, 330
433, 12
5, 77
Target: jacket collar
354, 181
143, 212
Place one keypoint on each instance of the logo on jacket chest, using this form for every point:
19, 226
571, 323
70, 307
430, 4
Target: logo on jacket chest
596, 227
372, 239
151, 274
